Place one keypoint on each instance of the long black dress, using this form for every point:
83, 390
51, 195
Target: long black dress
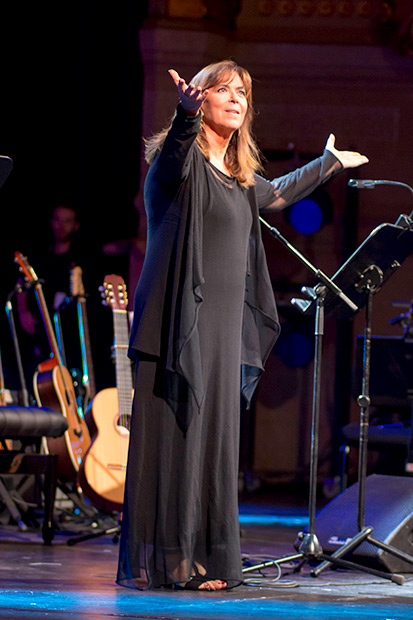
181, 506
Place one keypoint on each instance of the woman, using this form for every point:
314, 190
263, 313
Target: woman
204, 322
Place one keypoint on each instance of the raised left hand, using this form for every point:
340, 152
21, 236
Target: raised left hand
348, 159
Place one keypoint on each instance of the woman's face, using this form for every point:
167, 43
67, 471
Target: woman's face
226, 105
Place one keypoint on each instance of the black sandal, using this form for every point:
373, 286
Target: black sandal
194, 584
197, 580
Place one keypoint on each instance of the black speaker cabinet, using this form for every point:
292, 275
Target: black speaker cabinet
389, 511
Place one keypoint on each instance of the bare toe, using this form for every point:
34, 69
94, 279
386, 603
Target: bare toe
215, 584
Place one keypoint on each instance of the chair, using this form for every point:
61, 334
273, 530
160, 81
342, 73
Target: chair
28, 425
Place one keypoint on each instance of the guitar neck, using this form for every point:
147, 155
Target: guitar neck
86, 346
123, 363
48, 325
2, 387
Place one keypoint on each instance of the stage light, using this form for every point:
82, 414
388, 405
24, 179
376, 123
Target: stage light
307, 216
294, 347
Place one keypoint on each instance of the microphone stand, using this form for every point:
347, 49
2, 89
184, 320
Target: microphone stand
12, 325
309, 547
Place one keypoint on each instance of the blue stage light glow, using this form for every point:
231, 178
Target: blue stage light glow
120, 602
295, 349
306, 216
273, 519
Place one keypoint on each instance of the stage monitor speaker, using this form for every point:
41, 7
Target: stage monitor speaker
389, 511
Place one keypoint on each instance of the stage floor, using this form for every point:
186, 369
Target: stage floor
63, 581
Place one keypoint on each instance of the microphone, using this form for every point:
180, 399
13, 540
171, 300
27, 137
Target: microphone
371, 183
362, 183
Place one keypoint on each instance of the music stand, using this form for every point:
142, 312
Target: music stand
362, 276
386, 247
351, 288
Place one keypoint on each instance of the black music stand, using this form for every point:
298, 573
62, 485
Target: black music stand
362, 276
351, 288
384, 250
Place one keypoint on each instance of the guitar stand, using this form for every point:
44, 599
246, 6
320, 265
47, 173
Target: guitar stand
361, 268
76, 497
90, 512
107, 532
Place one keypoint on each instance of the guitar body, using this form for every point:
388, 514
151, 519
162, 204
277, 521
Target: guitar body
103, 469
53, 388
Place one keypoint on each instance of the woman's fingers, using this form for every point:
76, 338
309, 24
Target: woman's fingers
348, 159
174, 75
191, 96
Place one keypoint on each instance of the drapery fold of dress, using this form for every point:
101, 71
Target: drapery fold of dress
180, 274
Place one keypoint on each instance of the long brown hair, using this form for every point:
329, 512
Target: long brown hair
242, 156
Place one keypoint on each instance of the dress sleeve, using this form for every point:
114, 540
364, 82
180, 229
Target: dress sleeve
283, 191
172, 163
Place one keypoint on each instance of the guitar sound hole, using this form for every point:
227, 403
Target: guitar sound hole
124, 422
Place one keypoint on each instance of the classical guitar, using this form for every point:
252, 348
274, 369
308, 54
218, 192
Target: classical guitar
88, 376
102, 472
53, 387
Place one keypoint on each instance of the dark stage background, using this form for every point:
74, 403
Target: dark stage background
70, 120
74, 111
